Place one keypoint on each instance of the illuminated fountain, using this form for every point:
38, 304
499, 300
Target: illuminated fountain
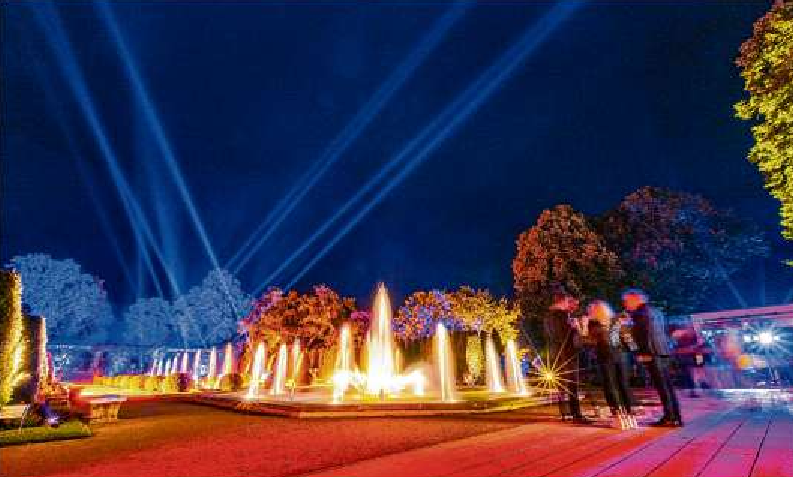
213, 364
514, 373
197, 365
342, 377
444, 364
228, 359
493, 374
185, 357
297, 359
376, 385
279, 379
381, 378
256, 372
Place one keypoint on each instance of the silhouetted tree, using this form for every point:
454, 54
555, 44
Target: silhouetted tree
677, 246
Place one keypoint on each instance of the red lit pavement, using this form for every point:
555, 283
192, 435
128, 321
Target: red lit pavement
718, 441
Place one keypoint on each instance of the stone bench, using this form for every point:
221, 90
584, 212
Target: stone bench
101, 408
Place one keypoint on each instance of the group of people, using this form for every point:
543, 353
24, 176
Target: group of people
639, 329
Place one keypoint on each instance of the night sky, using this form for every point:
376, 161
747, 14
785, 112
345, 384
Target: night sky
249, 96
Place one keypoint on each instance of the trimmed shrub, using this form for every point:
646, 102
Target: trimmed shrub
153, 383
231, 382
169, 384
135, 382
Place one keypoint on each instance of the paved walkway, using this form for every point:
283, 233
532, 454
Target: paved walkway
718, 441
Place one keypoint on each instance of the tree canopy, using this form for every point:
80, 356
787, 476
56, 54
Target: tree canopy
313, 318
209, 312
74, 303
678, 246
766, 63
465, 309
562, 248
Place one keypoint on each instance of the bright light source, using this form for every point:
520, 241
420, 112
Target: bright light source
765, 337
747, 338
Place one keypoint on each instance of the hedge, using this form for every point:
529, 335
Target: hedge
67, 430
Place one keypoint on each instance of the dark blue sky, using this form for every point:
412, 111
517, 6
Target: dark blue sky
250, 95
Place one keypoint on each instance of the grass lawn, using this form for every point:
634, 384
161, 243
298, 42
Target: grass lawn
27, 435
181, 439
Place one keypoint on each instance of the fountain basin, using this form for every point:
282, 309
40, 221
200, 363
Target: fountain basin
316, 405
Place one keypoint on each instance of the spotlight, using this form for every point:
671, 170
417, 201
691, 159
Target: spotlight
765, 337
439, 129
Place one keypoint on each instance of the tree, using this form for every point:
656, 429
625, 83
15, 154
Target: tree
74, 303
562, 248
479, 311
313, 318
421, 313
677, 246
12, 343
766, 63
209, 312
151, 321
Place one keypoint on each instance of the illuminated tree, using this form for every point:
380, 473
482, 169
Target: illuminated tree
677, 246
562, 248
477, 310
766, 63
12, 352
209, 312
421, 313
152, 321
74, 303
474, 357
313, 317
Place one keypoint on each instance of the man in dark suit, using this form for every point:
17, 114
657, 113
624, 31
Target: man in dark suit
652, 350
563, 343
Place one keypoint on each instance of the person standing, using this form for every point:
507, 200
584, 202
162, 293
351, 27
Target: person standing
603, 335
563, 342
652, 350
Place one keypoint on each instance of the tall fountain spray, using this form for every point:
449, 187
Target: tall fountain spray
280, 372
381, 377
228, 359
514, 373
343, 373
495, 383
213, 364
444, 364
185, 358
380, 347
256, 372
153, 369
158, 367
173, 364
297, 359
196, 365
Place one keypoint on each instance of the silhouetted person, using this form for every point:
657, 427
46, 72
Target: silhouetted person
603, 334
652, 350
563, 343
